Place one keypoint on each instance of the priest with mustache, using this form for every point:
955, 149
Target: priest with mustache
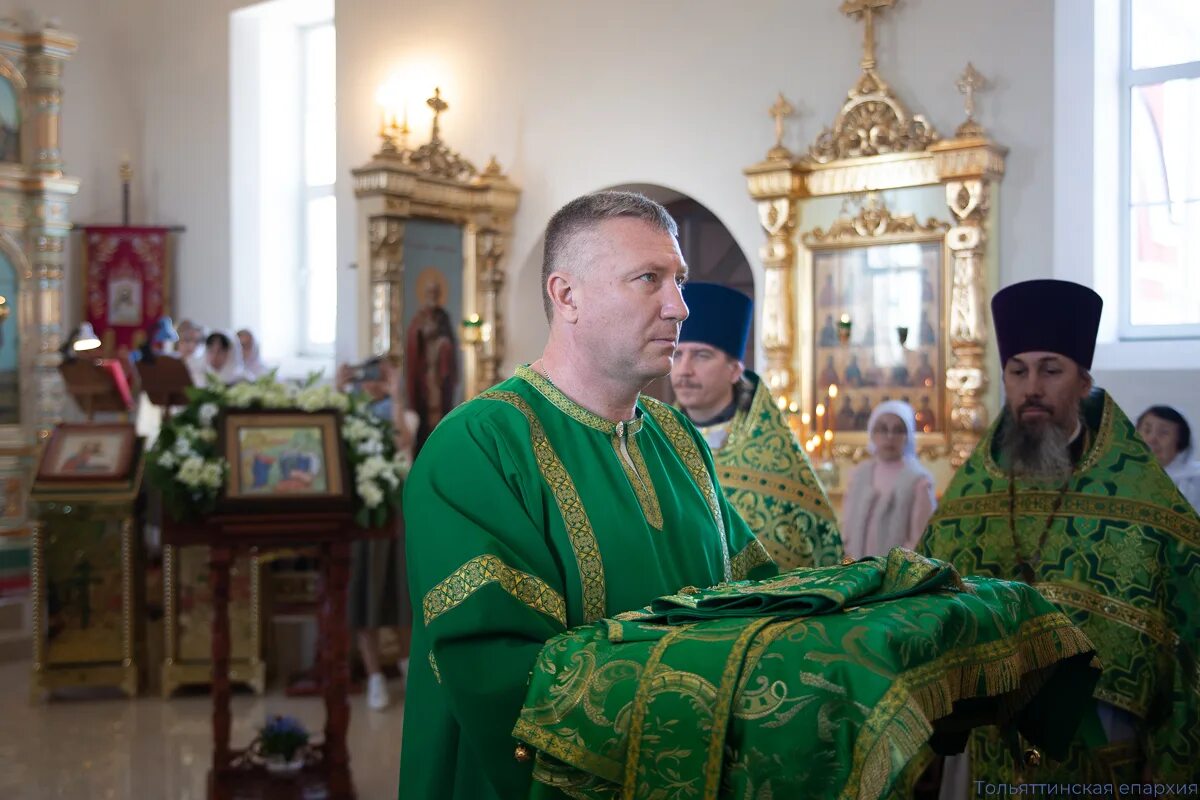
762, 469
1061, 493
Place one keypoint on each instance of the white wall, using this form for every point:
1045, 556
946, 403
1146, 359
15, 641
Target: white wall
184, 76
575, 97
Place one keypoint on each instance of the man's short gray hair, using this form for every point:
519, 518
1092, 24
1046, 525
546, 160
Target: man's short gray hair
586, 212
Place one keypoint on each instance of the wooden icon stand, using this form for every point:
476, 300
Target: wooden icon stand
326, 771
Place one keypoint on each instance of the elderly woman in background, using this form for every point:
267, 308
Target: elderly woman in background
1169, 437
190, 348
889, 497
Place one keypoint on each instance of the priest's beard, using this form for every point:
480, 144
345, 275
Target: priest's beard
1037, 450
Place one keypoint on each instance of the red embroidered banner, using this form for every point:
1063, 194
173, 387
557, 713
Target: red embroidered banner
126, 283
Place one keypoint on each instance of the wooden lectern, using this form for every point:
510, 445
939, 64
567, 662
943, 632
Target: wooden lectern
165, 380
98, 384
236, 773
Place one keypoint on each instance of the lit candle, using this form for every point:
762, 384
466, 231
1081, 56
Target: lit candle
805, 421
833, 393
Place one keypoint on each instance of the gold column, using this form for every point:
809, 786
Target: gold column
968, 166
776, 185
48, 194
386, 238
46, 53
491, 280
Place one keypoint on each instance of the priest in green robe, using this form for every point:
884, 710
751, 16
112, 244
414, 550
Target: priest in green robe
557, 498
1062, 494
761, 467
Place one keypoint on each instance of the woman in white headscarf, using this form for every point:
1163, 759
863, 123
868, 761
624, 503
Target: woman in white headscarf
223, 358
1169, 437
889, 497
252, 365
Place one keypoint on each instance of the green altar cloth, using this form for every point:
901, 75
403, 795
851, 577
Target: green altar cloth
826, 682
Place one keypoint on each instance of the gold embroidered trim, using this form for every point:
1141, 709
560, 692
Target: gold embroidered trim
641, 703
721, 710
437, 674
1124, 509
751, 556
566, 751
639, 479
686, 448
812, 500
570, 407
482, 570
1147, 622
579, 527
1122, 701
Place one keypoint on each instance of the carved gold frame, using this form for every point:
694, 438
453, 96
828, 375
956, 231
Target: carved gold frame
433, 182
876, 144
873, 225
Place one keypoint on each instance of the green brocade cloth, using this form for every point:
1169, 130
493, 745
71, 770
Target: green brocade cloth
768, 478
826, 682
805, 592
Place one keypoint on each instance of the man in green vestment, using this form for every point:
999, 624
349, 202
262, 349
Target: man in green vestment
1062, 494
556, 498
761, 467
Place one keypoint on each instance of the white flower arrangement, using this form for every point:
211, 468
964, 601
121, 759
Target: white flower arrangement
184, 463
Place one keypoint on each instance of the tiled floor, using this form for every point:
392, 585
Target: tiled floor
146, 749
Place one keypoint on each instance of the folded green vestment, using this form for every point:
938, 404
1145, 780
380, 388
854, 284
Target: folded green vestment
822, 682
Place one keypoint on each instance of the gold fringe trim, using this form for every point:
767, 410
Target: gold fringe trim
903, 719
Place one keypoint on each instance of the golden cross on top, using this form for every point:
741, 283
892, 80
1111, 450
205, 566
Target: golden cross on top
968, 84
867, 10
438, 105
779, 111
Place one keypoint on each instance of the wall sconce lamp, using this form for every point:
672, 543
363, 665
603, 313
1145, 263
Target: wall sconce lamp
476, 331
472, 330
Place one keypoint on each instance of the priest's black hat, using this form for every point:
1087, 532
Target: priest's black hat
1047, 315
717, 316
